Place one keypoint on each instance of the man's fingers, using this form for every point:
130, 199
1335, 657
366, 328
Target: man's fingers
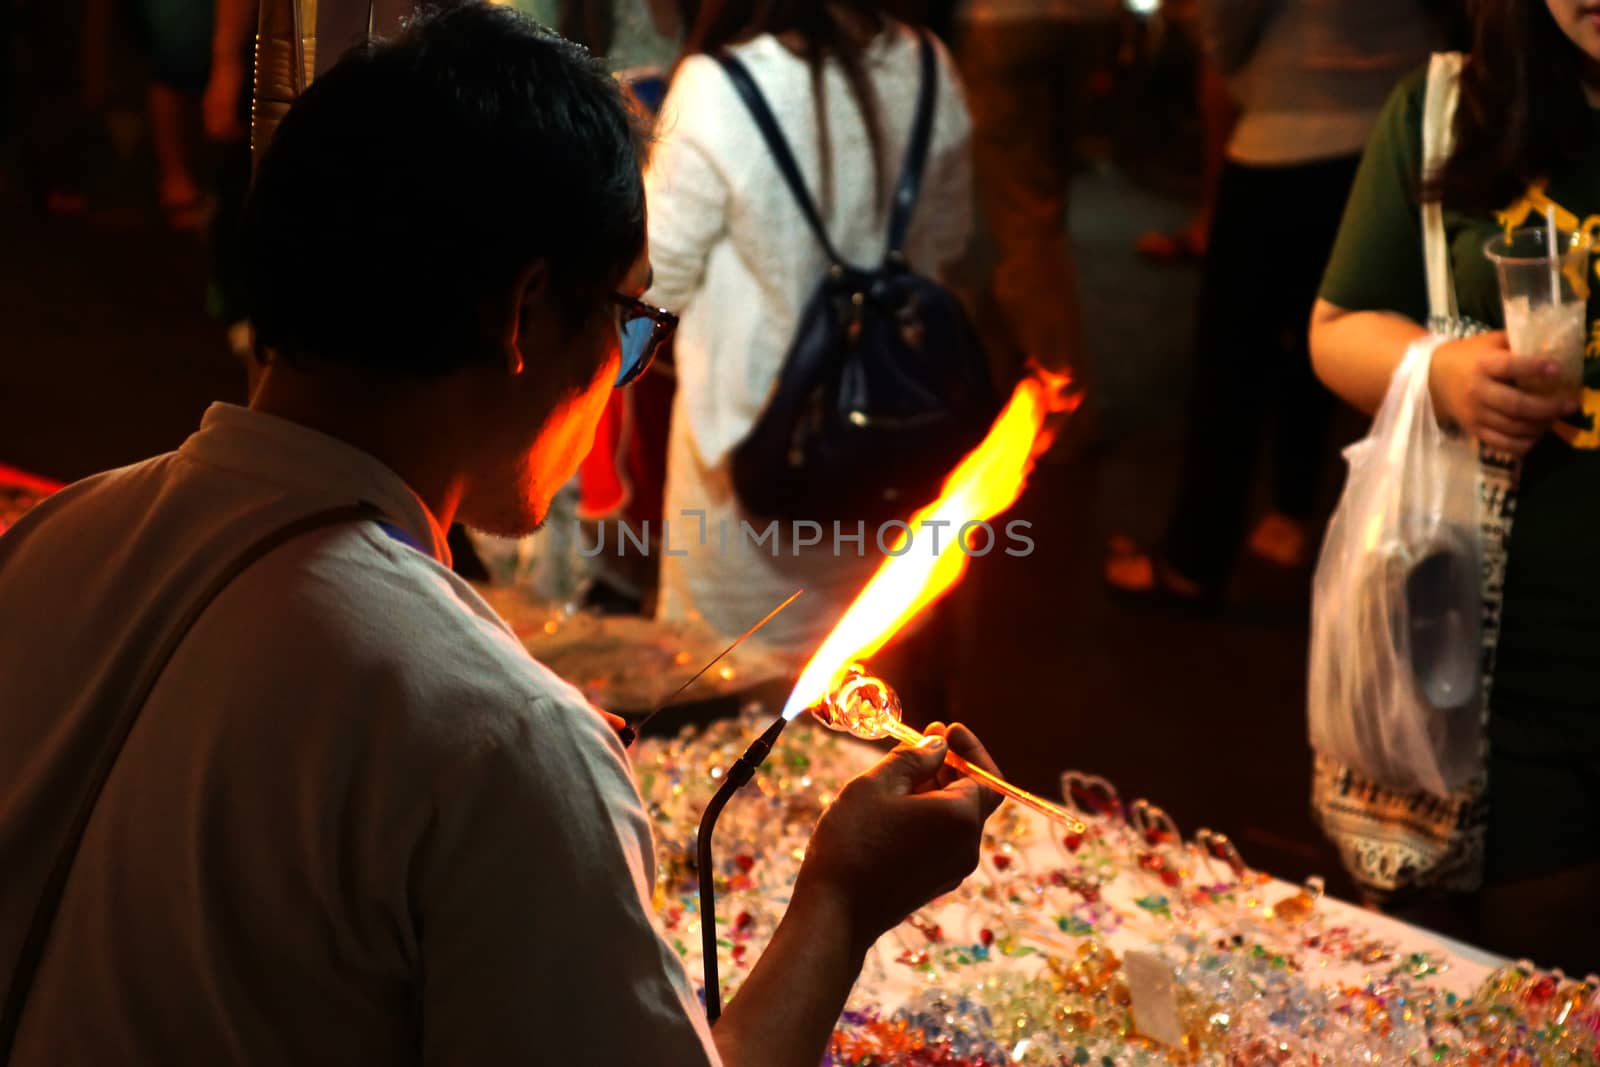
947, 774
965, 743
911, 770
910, 765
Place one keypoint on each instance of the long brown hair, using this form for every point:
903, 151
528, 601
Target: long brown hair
1522, 112
822, 35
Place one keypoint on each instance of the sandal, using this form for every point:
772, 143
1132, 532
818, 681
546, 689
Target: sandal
189, 215
1187, 245
1281, 541
1142, 579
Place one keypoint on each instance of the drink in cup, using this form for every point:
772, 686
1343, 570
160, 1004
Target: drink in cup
1545, 296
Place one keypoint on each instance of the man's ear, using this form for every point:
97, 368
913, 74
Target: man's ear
518, 303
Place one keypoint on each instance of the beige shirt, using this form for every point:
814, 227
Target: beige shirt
355, 823
1040, 10
1311, 76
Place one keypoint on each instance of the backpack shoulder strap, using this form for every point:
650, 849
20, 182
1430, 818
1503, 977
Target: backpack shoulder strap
121, 725
910, 183
778, 146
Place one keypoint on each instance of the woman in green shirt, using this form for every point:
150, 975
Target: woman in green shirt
1527, 136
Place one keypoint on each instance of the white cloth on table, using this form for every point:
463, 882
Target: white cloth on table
732, 254
355, 823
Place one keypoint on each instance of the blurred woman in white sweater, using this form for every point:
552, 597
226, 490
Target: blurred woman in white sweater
733, 256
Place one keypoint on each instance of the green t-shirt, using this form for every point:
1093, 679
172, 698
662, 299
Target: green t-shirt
1546, 694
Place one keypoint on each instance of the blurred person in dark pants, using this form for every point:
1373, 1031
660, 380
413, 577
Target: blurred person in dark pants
1026, 64
52, 81
176, 39
225, 109
1218, 112
1310, 77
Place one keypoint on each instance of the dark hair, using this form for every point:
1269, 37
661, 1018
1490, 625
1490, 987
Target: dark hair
1522, 112
418, 176
719, 23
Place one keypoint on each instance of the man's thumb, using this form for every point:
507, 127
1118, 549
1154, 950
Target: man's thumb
909, 764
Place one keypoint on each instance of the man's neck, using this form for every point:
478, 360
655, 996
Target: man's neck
389, 422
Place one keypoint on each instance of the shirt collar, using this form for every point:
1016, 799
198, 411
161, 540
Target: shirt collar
306, 461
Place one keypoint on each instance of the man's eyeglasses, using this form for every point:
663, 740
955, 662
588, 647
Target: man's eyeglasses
643, 330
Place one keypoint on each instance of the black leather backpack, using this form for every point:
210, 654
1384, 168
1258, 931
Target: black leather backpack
885, 385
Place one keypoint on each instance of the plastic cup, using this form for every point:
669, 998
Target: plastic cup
1545, 298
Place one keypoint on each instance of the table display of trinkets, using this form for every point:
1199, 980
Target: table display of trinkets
628, 664
1126, 944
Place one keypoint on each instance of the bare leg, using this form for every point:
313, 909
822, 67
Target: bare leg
180, 195
1218, 113
1017, 90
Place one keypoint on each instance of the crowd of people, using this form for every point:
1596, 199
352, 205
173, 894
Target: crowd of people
1310, 90
476, 288
62, 69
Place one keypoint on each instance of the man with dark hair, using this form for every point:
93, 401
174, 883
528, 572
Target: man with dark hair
352, 820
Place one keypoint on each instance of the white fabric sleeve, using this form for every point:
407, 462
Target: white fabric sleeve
531, 892
686, 192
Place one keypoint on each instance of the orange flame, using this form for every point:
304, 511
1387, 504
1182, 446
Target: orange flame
987, 482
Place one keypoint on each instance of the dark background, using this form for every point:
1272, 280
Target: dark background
107, 356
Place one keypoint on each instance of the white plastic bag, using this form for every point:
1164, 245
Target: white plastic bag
1396, 617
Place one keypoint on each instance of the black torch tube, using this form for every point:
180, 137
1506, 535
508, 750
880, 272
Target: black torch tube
743, 769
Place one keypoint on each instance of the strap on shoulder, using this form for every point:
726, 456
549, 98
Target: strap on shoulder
1438, 141
910, 182
121, 725
778, 146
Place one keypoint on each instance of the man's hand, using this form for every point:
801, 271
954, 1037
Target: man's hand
1475, 384
897, 836
901, 834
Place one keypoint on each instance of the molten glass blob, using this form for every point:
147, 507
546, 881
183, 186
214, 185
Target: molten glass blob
859, 704
864, 706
